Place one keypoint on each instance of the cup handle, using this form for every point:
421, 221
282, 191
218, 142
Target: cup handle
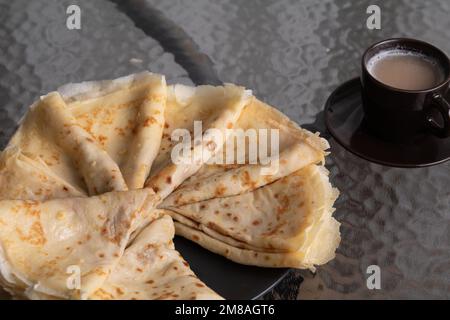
441, 105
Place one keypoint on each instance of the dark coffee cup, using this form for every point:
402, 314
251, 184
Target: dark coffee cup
397, 114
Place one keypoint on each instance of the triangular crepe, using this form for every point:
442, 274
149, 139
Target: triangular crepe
216, 108
282, 217
41, 241
320, 251
297, 149
95, 136
125, 116
152, 269
21, 177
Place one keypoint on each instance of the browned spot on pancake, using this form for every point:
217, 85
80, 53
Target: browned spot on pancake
229, 125
203, 206
186, 264
101, 255
256, 222
103, 294
235, 219
149, 121
119, 291
120, 131
34, 213
195, 237
65, 188
216, 212
175, 268
35, 234
166, 125
139, 270
200, 285
169, 180
150, 282
102, 139
281, 210
117, 235
247, 181
220, 190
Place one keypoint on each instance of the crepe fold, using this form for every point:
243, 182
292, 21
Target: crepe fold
287, 223
151, 268
295, 149
94, 137
210, 107
231, 209
43, 243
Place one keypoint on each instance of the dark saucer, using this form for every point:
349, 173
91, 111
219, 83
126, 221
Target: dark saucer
345, 121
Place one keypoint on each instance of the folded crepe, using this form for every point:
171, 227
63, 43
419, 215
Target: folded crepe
125, 117
151, 269
216, 108
95, 137
296, 149
289, 220
22, 177
247, 206
41, 243
320, 252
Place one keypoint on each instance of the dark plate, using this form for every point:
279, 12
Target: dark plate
229, 279
344, 119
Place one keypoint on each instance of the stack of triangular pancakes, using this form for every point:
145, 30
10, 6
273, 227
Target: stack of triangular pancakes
90, 183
